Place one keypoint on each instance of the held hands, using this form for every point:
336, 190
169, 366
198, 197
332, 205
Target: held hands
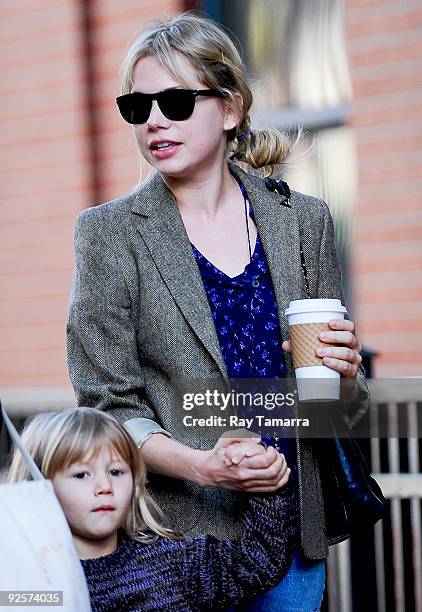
243, 464
344, 358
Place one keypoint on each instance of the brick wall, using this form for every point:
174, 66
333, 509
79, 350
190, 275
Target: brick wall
64, 148
114, 24
385, 49
44, 182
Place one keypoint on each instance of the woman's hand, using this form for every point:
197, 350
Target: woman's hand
344, 358
243, 464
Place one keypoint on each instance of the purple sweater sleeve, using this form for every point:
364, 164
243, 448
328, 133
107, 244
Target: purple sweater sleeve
222, 572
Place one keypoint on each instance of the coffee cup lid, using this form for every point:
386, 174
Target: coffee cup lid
315, 305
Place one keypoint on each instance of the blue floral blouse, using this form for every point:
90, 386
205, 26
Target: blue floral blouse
245, 315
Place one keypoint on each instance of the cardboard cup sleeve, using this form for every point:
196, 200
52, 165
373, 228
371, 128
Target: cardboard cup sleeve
305, 341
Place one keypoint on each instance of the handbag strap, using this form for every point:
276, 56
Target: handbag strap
30, 463
304, 270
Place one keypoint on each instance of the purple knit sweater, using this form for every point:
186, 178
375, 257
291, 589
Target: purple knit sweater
198, 573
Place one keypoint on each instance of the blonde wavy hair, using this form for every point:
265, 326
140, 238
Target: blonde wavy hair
219, 65
57, 440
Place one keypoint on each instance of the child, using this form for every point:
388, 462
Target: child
130, 561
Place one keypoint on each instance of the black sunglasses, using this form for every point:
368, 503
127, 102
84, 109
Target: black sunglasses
175, 104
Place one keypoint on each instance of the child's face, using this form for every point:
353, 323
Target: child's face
95, 496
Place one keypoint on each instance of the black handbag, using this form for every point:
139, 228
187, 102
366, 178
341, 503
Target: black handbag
352, 497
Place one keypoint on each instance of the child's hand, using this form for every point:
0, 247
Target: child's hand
258, 470
237, 451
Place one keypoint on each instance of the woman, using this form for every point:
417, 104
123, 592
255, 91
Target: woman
187, 279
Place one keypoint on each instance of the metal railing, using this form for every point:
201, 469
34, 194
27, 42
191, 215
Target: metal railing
397, 540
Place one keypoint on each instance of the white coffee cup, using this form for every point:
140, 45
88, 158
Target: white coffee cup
307, 318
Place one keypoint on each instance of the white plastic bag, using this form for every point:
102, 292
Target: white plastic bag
36, 546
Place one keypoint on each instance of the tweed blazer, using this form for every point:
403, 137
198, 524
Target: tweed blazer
139, 322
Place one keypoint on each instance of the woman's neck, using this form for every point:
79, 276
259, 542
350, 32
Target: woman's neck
205, 194
92, 549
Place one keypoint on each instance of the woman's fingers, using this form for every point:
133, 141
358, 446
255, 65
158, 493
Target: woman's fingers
345, 324
341, 332
267, 477
340, 352
258, 487
344, 358
286, 346
345, 338
349, 370
264, 472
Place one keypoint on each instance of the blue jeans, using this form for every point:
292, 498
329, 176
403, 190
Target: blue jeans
301, 590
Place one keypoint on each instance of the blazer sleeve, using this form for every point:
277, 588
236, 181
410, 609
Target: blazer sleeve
102, 351
356, 400
218, 574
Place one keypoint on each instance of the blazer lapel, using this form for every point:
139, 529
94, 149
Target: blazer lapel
164, 234
279, 230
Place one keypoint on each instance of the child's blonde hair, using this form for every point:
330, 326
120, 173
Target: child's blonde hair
57, 440
219, 65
